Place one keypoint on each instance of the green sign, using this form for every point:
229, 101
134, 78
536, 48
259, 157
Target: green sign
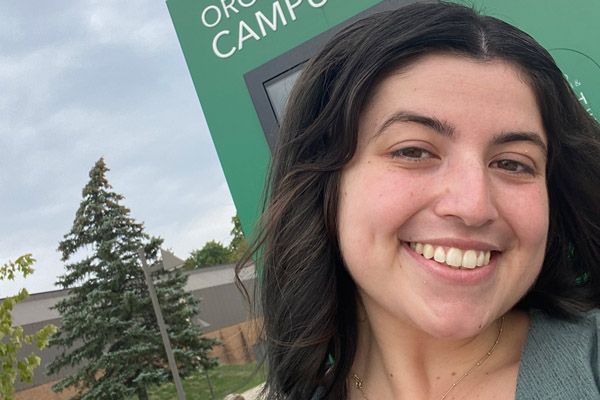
570, 30
223, 40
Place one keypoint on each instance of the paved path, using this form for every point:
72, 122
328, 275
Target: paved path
252, 394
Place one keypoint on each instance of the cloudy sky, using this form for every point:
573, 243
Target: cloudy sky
80, 80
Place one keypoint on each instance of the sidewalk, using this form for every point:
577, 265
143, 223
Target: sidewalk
252, 394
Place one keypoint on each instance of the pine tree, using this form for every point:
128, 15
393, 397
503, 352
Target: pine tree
109, 331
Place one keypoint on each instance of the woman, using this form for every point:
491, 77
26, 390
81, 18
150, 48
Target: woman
432, 222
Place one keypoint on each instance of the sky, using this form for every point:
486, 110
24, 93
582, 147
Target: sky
85, 79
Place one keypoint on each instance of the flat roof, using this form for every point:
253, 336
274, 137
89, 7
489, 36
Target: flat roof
38, 306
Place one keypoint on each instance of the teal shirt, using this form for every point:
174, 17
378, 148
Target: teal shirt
560, 359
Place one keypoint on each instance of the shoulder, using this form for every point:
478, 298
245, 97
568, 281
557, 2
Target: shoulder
560, 358
583, 325
578, 334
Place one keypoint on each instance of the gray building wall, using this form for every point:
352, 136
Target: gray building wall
46, 355
221, 305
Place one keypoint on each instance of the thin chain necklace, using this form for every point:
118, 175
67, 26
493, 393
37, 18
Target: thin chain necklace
359, 384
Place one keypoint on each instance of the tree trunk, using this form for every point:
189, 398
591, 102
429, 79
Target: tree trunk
212, 393
142, 394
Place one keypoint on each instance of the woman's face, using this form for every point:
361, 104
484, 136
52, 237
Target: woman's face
443, 210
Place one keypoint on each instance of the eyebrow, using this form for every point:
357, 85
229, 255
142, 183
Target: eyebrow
507, 137
441, 127
447, 129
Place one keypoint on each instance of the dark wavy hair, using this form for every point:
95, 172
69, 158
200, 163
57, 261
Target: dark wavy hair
308, 299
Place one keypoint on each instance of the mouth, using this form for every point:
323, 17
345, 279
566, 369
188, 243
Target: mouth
452, 256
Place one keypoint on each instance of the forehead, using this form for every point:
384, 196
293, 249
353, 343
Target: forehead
467, 93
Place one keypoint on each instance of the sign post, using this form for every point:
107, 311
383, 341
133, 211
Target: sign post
161, 325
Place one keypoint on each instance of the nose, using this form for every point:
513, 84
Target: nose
466, 194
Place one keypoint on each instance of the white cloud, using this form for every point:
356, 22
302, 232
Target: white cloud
47, 267
199, 230
11, 28
101, 78
137, 24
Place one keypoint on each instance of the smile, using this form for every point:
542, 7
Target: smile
452, 256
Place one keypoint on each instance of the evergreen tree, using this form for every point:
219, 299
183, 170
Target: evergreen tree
109, 331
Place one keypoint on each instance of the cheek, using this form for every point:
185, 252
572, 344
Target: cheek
374, 204
354, 212
370, 202
528, 215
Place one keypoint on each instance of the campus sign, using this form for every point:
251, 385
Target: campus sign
226, 43
225, 40
244, 56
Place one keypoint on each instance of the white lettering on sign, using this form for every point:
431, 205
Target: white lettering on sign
317, 5
580, 95
291, 7
229, 6
205, 22
260, 18
243, 37
222, 44
216, 49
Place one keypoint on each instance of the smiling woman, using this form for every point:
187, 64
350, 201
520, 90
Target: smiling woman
444, 176
432, 228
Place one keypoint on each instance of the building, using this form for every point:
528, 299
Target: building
223, 314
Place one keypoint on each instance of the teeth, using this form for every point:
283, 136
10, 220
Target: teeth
469, 259
480, 259
428, 251
453, 257
439, 255
419, 248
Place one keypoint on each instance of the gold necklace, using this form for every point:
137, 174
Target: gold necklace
359, 384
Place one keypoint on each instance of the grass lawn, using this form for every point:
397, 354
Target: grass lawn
225, 379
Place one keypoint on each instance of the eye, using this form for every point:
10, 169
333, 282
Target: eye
514, 167
412, 154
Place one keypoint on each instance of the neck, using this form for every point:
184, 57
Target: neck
400, 361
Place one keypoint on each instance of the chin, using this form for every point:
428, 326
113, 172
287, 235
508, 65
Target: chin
456, 323
454, 332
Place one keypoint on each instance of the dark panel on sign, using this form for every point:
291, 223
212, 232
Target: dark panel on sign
270, 84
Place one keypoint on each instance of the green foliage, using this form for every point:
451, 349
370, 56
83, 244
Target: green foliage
215, 253
238, 245
109, 330
225, 379
12, 338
